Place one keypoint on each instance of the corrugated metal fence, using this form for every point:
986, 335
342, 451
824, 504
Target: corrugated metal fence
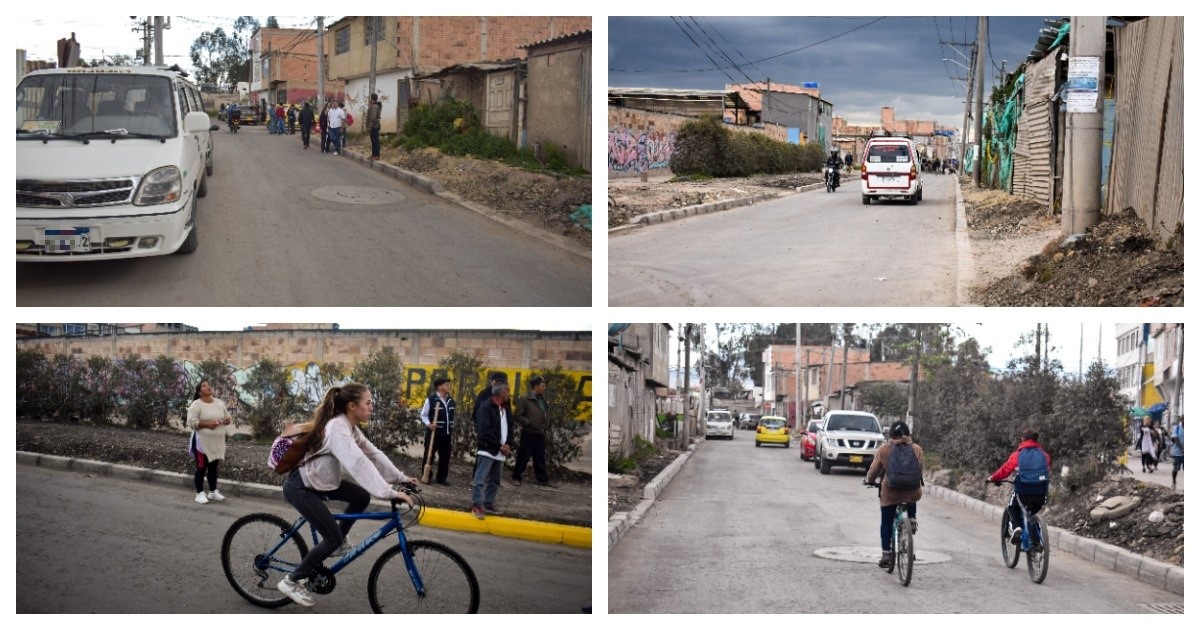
1147, 166
1033, 159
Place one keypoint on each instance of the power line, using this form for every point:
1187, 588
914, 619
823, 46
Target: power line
697, 45
790, 52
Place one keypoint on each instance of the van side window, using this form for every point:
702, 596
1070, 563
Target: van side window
183, 100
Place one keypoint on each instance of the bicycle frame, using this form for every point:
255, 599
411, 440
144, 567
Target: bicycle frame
393, 524
1026, 542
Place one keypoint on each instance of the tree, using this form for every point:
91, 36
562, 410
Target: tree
394, 424
564, 401
466, 373
269, 400
223, 58
272, 22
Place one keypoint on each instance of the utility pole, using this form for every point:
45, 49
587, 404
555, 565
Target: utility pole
158, 40
980, 52
375, 22
912, 384
845, 360
1037, 350
1085, 124
687, 385
1176, 410
829, 373
1080, 379
320, 63
800, 415
967, 113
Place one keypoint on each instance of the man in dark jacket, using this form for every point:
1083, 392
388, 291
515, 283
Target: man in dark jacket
485, 394
437, 414
374, 113
533, 415
494, 438
306, 123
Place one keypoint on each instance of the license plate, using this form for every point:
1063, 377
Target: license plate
66, 240
889, 180
856, 459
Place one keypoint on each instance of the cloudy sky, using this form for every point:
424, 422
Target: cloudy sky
861, 63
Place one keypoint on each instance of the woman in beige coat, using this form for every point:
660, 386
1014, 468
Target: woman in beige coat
208, 417
890, 498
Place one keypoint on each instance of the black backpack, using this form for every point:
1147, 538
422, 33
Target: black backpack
903, 468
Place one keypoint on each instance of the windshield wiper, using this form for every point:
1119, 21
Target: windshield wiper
45, 135
116, 134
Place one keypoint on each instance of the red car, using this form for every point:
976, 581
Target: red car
808, 442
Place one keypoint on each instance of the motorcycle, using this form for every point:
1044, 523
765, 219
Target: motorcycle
831, 179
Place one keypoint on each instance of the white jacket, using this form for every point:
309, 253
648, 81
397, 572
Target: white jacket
345, 448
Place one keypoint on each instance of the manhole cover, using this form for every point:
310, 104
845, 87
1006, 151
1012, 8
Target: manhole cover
1170, 609
361, 195
871, 555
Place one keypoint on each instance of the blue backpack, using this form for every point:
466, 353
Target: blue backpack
1033, 471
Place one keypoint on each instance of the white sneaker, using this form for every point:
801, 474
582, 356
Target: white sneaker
201, 498
296, 591
216, 495
344, 548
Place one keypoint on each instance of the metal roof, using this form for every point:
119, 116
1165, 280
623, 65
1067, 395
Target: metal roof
558, 38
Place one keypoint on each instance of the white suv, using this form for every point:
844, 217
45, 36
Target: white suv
110, 162
719, 422
890, 167
847, 438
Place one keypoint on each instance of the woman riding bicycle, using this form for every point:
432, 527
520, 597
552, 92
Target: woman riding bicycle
318, 478
890, 497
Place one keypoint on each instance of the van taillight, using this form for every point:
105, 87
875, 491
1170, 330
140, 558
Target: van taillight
862, 166
912, 171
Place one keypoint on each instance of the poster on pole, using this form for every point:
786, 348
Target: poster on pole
1082, 88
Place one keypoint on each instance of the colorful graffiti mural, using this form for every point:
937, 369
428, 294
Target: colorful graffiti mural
637, 153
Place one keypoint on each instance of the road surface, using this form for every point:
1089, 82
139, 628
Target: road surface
738, 528
286, 227
808, 249
106, 545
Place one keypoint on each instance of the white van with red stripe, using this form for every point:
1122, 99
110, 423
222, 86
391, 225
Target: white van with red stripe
891, 168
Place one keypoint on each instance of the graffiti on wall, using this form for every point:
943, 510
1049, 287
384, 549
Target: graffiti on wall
636, 153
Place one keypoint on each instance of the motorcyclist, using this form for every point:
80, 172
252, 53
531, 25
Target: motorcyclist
234, 116
834, 164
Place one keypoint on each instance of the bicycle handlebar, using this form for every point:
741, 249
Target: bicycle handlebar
868, 484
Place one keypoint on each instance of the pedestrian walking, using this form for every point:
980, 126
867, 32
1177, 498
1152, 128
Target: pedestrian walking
306, 123
207, 417
533, 415
270, 120
1146, 440
324, 122
319, 479
493, 438
291, 118
374, 113
1177, 451
337, 125
437, 414
279, 118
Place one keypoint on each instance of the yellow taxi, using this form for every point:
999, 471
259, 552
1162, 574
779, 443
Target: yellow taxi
772, 430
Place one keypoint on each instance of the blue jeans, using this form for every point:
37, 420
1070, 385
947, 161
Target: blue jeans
887, 515
271, 126
335, 138
279, 126
487, 481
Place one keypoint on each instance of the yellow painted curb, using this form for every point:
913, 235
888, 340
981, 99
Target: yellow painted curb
537, 531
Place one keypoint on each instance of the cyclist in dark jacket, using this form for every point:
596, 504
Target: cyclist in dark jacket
834, 163
1032, 495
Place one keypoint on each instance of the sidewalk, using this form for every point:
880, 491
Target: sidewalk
1162, 477
535, 531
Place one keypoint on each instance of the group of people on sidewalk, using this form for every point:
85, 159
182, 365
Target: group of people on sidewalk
1151, 440
332, 121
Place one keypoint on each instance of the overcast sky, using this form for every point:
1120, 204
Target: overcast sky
863, 64
1001, 337
107, 36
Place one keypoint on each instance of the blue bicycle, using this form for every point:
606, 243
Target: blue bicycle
418, 576
1037, 553
902, 542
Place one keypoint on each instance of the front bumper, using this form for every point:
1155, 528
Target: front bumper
168, 223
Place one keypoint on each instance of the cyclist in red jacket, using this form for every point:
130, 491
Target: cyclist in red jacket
1032, 465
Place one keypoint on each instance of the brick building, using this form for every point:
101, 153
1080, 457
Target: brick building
410, 46
283, 66
933, 140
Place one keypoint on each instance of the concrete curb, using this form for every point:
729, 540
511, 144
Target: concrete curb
966, 260
675, 214
620, 522
435, 187
1167, 577
536, 531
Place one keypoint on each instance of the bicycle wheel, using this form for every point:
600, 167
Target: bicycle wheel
450, 584
904, 552
1010, 551
1038, 556
249, 571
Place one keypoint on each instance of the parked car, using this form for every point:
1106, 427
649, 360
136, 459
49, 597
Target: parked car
110, 162
748, 420
847, 438
891, 169
808, 441
718, 423
772, 430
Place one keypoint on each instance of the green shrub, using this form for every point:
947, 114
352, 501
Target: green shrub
706, 147
394, 425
